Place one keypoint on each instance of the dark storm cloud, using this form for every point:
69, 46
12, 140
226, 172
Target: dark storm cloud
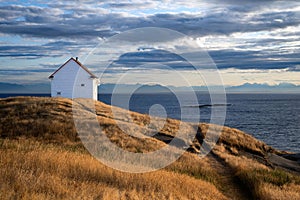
51, 23
150, 59
253, 59
22, 51
222, 58
149, 56
56, 31
52, 49
27, 55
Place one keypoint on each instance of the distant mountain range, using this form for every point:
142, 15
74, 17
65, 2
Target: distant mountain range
125, 88
25, 88
247, 88
255, 87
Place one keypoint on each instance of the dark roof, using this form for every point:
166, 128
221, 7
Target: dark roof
79, 63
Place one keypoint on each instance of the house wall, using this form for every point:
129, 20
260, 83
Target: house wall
72, 81
96, 82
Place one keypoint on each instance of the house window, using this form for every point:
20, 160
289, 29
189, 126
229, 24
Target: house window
58, 93
82, 85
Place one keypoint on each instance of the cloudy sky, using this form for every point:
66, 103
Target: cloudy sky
255, 42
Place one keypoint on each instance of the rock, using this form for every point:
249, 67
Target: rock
281, 161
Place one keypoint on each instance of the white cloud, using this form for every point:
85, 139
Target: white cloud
257, 35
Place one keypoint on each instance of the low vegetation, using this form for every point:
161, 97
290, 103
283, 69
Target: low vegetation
42, 157
271, 184
34, 170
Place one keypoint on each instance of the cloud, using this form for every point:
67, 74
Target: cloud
149, 60
12, 72
131, 5
54, 31
88, 22
295, 68
224, 59
251, 1
259, 34
253, 59
50, 49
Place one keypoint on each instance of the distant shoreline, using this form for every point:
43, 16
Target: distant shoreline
177, 92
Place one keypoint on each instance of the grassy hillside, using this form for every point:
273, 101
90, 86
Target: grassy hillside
41, 157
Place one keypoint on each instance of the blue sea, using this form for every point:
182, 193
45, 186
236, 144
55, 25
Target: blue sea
272, 118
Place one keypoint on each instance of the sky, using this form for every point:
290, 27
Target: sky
250, 41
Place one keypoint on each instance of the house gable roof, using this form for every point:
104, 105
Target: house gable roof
79, 63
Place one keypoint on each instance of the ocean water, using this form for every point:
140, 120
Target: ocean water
272, 118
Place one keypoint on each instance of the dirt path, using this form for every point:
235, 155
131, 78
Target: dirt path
231, 186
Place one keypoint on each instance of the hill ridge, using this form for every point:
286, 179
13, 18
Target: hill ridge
245, 161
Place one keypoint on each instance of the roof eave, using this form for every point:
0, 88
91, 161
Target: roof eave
81, 65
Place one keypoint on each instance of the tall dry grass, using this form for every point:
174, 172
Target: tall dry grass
49, 119
271, 184
262, 181
33, 170
41, 157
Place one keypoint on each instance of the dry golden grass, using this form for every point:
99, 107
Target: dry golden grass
47, 118
271, 184
42, 158
288, 191
263, 182
33, 170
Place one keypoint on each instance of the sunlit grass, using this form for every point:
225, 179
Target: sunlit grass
42, 157
32, 170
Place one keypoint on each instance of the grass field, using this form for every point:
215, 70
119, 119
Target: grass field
41, 157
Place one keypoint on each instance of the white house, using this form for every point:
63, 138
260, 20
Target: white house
73, 80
